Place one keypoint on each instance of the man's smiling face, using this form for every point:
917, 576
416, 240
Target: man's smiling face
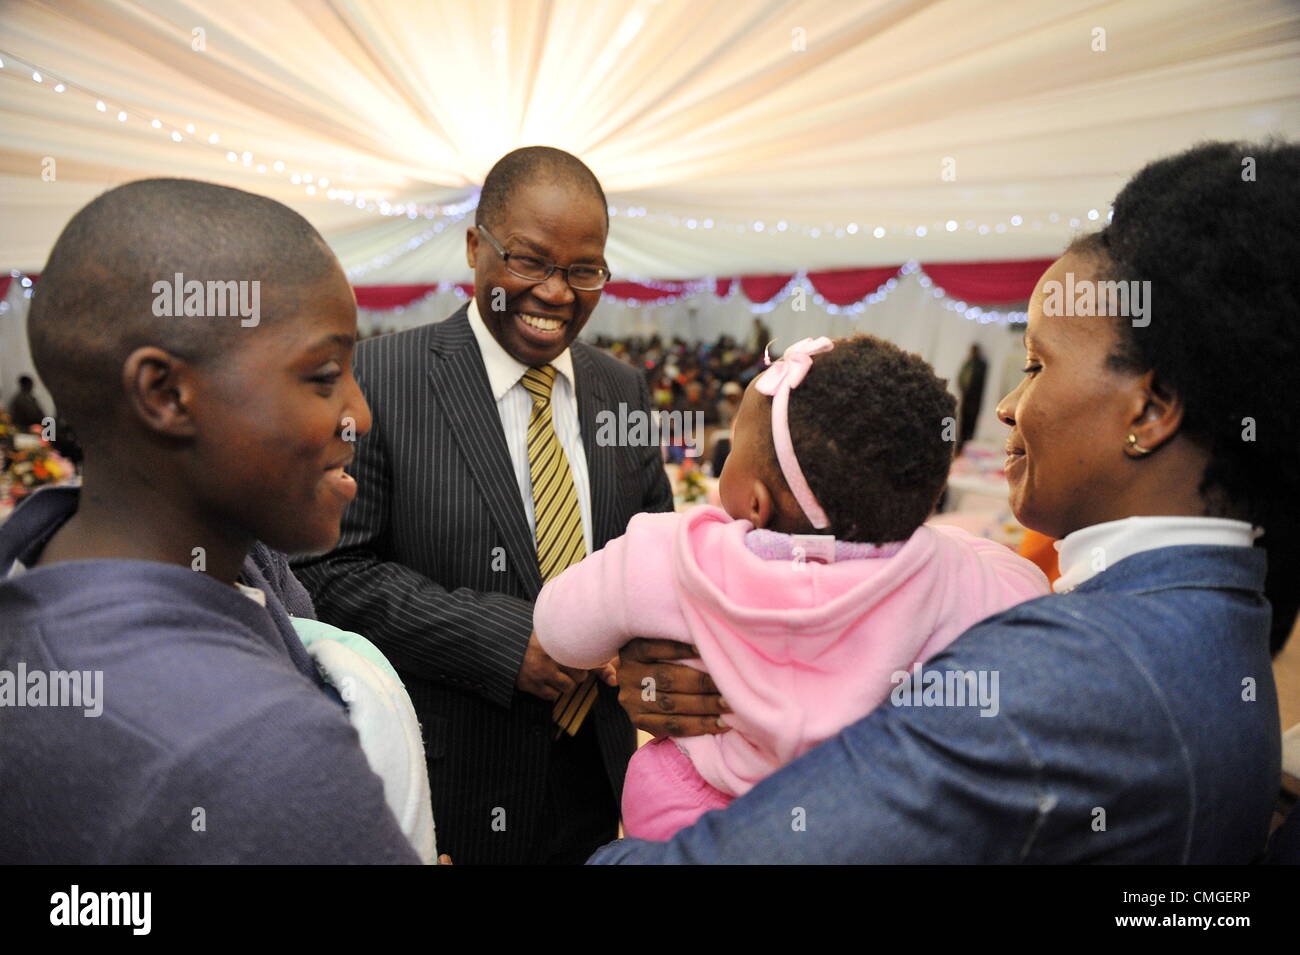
536, 321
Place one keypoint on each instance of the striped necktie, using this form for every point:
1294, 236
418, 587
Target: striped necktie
559, 521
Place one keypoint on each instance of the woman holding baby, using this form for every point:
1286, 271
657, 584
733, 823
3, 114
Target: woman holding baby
1136, 718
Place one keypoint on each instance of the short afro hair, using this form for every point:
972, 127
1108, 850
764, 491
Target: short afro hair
528, 165
873, 429
93, 304
1214, 231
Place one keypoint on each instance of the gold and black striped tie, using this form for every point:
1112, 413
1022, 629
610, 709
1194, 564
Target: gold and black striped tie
559, 521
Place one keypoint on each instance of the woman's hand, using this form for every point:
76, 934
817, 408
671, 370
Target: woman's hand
668, 699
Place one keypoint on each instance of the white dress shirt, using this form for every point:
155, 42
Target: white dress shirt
515, 406
1091, 550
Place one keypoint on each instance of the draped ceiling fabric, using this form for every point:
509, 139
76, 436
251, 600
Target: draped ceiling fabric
828, 115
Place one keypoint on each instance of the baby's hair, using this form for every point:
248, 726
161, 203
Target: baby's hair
869, 424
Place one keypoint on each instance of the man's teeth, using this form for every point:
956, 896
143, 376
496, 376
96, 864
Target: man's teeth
539, 323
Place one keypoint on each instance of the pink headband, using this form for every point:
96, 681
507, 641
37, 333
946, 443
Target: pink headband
782, 377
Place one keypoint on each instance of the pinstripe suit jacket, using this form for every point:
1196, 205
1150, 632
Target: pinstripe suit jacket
437, 566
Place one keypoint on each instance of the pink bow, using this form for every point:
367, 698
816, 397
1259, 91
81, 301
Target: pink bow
783, 376
792, 366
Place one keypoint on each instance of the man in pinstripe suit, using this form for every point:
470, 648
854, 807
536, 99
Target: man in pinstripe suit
466, 504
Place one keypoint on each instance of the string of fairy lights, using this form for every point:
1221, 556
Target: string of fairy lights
696, 289
405, 246
849, 230
189, 134
443, 216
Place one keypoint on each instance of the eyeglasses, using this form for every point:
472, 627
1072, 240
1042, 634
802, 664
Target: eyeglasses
584, 278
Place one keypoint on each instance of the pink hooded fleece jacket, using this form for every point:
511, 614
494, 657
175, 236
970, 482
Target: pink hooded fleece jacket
799, 651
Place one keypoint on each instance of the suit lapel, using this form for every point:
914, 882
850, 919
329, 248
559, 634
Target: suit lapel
460, 383
593, 397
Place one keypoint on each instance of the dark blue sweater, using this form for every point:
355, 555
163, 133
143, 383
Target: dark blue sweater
216, 743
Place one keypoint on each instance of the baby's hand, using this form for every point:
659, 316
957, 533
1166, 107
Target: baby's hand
608, 673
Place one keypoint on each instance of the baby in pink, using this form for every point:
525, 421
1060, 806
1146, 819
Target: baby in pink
816, 589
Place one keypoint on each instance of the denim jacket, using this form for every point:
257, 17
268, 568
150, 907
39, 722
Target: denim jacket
1134, 721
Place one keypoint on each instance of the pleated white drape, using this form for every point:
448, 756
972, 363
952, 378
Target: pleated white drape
1006, 119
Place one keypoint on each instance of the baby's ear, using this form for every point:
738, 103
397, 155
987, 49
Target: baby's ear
762, 506
159, 389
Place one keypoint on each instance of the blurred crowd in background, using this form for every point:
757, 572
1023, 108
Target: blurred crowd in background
706, 378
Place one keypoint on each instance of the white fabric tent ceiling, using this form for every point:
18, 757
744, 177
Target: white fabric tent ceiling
819, 115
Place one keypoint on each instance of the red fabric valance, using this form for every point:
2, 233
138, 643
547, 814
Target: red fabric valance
383, 297
846, 286
645, 293
763, 288
979, 283
391, 296
988, 283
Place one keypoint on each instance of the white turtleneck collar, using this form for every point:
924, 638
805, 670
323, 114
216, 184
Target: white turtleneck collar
1091, 550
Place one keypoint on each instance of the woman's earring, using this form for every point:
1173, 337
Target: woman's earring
1131, 444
